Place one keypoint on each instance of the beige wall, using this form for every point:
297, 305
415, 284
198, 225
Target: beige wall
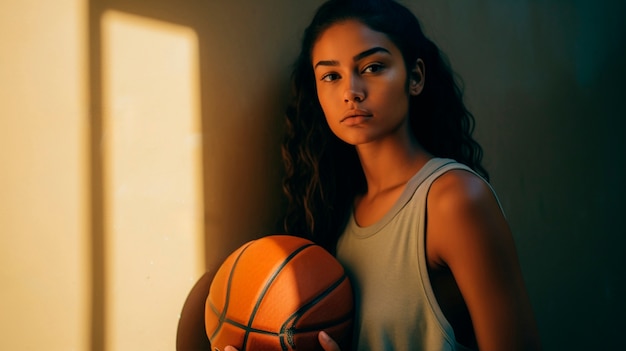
44, 203
139, 146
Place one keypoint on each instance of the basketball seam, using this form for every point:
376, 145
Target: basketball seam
267, 286
249, 329
285, 331
288, 328
241, 325
222, 316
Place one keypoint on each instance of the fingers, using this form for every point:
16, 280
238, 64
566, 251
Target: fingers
328, 344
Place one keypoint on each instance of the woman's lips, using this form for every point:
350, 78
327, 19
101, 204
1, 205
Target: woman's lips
354, 117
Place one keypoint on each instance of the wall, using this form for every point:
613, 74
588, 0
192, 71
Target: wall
544, 80
44, 208
139, 145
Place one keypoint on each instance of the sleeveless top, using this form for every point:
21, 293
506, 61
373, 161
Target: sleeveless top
396, 308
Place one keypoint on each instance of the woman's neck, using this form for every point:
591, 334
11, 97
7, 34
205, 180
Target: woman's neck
388, 164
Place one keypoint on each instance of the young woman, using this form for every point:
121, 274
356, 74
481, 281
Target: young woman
381, 169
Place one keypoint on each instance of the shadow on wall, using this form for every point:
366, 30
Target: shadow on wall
240, 98
545, 82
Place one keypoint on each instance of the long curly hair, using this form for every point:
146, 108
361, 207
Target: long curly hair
322, 173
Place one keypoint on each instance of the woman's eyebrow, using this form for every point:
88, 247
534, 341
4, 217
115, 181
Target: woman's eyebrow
369, 52
356, 57
326, 63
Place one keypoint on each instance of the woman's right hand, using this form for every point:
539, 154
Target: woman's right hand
328, 344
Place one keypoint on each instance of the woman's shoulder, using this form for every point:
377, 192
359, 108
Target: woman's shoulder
468, 234
459, 187
462, 210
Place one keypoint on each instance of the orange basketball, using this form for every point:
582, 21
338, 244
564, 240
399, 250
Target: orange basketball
277, 293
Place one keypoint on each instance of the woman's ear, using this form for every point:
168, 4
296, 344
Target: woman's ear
416, 78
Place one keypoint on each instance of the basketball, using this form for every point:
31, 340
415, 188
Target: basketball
277, 293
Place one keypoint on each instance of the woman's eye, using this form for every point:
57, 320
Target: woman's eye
330, 77
373, 68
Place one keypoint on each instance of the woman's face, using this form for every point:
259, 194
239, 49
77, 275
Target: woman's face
361, 82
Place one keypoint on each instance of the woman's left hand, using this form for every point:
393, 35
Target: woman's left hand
328, 344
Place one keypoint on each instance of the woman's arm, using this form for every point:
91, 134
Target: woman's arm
191, 335
468, 234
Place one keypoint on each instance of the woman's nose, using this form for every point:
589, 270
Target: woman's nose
354, 91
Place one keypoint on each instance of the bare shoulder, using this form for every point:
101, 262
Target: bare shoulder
460, 190
468, 234
461, 207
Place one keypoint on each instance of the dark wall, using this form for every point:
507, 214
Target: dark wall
546, 83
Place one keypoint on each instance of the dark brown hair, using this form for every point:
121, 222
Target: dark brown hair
323, 174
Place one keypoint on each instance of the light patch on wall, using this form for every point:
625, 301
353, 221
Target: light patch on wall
152, 177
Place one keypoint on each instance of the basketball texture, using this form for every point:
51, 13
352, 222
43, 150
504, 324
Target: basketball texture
277, 293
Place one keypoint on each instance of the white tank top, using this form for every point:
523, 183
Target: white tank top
395, 303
